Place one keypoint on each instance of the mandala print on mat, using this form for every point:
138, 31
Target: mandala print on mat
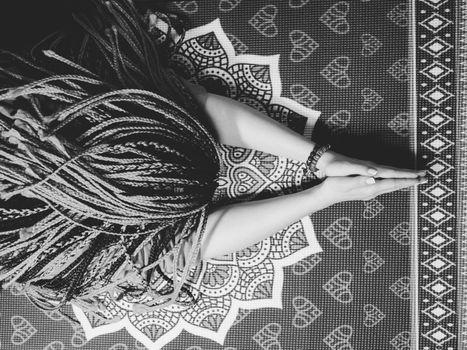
252, 278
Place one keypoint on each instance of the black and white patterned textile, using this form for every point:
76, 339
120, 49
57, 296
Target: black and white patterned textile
379, 80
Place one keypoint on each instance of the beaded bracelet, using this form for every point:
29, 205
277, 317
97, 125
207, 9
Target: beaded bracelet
315, 154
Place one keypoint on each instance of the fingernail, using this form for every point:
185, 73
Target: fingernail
423, 180
422, 173
370, 181
372, 171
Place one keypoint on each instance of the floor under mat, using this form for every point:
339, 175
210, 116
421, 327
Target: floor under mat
337, 72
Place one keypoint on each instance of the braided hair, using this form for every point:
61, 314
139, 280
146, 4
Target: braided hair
111, 140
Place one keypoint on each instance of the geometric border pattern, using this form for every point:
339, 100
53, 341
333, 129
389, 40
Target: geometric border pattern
461, 155
435, 62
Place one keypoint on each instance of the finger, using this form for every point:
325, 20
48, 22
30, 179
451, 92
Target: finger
361, 169
364, 184
392, 172
384, 171
363, 181
390, 185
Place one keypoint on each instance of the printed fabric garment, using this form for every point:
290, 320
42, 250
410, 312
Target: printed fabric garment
160, 28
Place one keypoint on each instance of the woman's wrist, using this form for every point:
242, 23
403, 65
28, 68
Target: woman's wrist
325, 159
320, 198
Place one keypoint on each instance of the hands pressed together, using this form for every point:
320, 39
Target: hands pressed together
346, 178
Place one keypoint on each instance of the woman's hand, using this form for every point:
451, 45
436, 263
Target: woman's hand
337, 189
335, 164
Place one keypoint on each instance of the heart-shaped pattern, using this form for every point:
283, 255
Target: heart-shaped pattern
78, 339
304, 95
373, 261
373, 315
303, 45
401, 233
372, 208
401, 288
55, 345
370, 44
371, 99
336, 72
23, 330
339, 121
401, 340
188, 6
267, 337
338, 233
340, 338
338, 287
306, 265
305, 312
400, 70
263, 21
228, 5
400, 14
400, 124
335, 17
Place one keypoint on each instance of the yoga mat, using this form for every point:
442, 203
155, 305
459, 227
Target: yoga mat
375, 79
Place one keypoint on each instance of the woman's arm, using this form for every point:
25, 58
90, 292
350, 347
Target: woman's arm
240, 125
237, 226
